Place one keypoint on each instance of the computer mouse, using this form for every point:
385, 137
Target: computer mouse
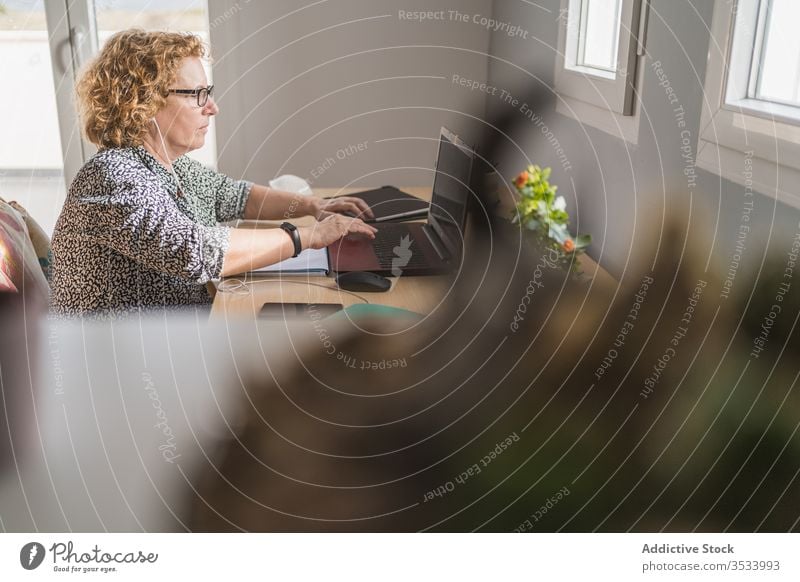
363, 281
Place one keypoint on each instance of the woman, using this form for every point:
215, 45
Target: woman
140, 226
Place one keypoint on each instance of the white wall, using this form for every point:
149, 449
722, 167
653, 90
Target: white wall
301, 85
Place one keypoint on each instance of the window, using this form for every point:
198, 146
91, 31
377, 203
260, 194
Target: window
43, 44
764, 63
600, 43
752, 113
777, 78
31, 161
597, 38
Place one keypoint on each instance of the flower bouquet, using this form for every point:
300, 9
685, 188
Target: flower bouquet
541, 211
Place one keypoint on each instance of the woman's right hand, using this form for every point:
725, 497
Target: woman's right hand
331, 229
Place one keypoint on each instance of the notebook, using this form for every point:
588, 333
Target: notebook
309, 262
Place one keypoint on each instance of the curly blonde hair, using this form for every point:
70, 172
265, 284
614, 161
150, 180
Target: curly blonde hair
127, 83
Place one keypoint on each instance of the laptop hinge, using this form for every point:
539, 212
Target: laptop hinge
437, 245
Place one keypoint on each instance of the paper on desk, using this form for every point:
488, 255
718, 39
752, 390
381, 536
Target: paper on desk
314, 261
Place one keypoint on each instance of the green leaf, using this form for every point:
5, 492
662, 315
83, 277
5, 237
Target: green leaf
583, 241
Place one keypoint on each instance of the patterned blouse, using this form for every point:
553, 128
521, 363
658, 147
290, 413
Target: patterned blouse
127, 240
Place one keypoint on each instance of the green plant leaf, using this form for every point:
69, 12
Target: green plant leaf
583, 241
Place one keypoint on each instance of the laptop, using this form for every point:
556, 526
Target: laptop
390, 204
430, 248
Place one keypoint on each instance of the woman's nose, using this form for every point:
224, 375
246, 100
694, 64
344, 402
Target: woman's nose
211, 107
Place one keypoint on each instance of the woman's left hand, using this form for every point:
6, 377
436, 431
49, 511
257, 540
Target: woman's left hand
354, 207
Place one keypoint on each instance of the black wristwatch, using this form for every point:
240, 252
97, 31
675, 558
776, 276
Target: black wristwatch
291, 230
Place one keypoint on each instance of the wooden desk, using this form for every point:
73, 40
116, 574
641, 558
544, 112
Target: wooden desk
419, 294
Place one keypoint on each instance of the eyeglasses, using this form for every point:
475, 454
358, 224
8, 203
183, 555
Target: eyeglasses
202, 94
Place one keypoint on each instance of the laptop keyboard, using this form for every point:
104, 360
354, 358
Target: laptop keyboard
395, 248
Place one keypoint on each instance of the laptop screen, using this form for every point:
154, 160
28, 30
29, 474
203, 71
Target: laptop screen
451, 190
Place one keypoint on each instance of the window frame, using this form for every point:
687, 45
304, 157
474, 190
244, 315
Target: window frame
73, 41
737, 131
612, 91
605, 101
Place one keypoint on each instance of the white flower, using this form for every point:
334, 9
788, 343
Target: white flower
558, 232
560, 203
533, 224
